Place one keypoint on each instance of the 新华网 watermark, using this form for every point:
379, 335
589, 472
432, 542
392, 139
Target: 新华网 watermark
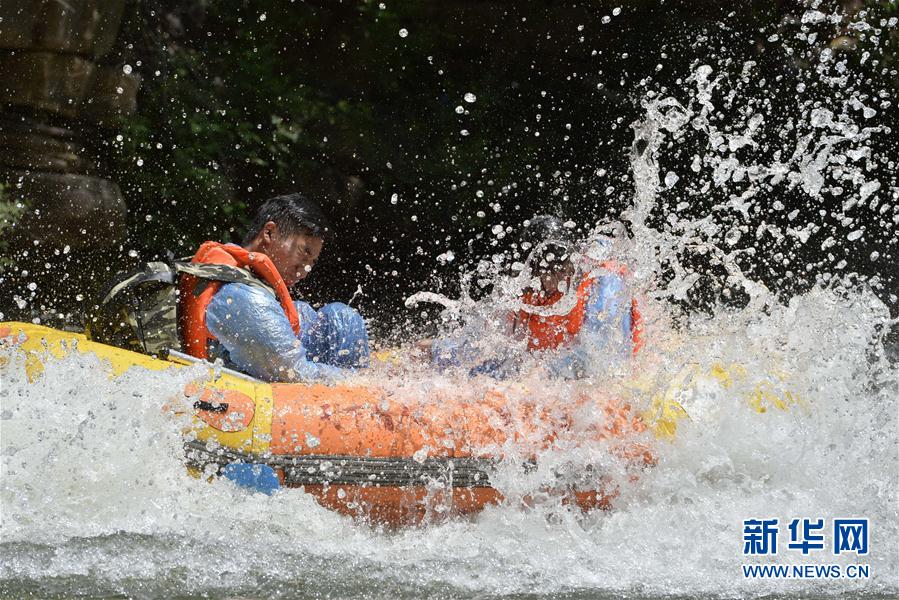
806, 537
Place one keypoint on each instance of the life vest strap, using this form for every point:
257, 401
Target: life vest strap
224, 274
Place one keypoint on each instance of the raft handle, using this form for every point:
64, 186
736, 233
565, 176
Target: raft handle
210, 407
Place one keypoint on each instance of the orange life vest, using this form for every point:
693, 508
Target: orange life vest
193, 300
550, 332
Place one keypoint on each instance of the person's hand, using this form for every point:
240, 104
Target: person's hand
397, 360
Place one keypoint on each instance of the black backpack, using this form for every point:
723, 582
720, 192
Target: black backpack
138, 311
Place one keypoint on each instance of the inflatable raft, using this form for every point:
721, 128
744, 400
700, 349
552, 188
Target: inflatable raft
363, 451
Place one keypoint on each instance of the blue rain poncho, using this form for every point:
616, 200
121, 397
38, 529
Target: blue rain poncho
605, 337
254, 336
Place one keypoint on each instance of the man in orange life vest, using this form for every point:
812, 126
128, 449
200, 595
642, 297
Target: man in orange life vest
255, 326
574, 314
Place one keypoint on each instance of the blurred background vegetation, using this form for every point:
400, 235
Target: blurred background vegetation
362, 106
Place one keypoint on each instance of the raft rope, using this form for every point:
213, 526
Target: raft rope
313, 469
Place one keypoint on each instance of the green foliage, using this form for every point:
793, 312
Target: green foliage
193, 139
333, 102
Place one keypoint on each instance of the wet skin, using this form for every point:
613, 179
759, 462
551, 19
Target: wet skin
550, 282
293, 255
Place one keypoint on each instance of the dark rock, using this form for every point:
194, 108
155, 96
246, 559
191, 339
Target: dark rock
67, 209
84, 27
114, 95
29, 145
41, 80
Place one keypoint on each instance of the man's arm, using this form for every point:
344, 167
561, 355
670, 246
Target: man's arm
252, 327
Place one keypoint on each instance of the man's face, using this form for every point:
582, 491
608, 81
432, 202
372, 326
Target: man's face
551, 282
552, 265
293, 255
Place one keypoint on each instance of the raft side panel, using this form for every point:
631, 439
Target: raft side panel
361, 421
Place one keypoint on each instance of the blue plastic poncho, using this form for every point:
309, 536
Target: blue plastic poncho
605, 334
253, 335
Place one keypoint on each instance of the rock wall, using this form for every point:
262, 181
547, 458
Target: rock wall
58, 97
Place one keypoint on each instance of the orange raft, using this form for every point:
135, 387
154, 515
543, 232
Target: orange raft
377, 454
363, 453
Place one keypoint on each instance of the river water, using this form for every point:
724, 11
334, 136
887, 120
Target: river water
96, 501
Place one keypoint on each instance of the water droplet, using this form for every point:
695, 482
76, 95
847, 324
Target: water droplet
732, 237
671, 178
140, 162
32, 286
464, 132
814, 16
470, 98
404, 32
126, 69
855, 235
616, 11
460, 109
311, 440
132, 253
263, 17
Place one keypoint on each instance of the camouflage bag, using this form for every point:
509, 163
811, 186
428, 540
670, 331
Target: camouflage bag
139, 310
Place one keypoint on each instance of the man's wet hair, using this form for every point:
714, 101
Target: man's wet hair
549, 241
293, 214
